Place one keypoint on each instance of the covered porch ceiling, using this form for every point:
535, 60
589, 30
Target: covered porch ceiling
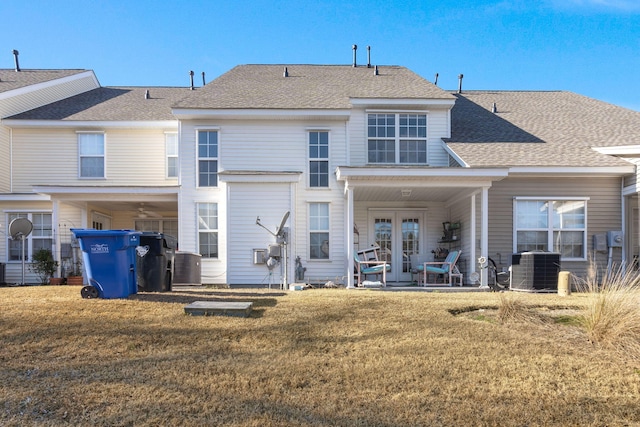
115, 199
411, 184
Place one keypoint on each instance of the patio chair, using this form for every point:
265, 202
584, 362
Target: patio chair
447, 268
373, 266
417, 266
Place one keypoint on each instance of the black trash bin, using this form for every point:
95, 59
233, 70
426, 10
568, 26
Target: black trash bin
155, 262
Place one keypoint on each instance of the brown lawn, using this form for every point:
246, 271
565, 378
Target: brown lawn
312, 358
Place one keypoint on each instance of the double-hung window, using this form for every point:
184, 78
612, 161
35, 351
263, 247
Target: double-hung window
208, 229
208, 158
551, 225
318, 159
171, 147
91, 154
41, 236
398, 138
318, 230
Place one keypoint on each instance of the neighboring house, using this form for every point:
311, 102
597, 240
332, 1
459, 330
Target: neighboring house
358, 156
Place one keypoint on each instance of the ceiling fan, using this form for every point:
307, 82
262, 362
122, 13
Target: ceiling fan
144, 213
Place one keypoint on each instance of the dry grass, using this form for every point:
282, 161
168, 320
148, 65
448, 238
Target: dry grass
612, 315
312, 358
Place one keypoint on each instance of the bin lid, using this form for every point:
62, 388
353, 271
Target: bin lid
90, 232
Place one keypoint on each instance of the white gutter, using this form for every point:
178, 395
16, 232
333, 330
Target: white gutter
106, 124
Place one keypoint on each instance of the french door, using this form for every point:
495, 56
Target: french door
399, 234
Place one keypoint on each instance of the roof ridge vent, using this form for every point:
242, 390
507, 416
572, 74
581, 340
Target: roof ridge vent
15, 56
285, 72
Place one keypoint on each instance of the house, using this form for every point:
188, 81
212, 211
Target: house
342, 157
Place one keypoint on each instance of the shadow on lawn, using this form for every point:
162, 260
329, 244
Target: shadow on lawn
187, 297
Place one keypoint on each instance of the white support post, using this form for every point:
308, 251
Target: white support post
484, 237
350, 243
472, 236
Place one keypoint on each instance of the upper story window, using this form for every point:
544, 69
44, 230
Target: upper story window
551, 225
208, 158
397, 138
318, 159
171, 146
41, 236
91, 154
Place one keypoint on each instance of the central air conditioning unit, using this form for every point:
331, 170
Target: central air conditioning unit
535, 271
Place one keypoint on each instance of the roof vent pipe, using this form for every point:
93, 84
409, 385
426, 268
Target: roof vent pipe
15, 56
285, 73
436, 80
203, 81
191, 77
460, 77
375, 70
146, 94
494, 108
355, 48
369, 57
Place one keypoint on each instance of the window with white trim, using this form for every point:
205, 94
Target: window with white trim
171, 146
41, 236
208, 158
397, 138
318, 230
318, 159
91, 154
208, 229
551, 225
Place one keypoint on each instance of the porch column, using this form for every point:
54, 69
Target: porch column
472, 237
55, 225
484, 236
349, 232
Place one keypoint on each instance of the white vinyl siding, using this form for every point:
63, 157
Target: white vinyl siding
91, 155
5, 160
134, 157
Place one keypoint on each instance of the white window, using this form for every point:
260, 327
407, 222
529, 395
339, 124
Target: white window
91, 155
208, 158
40, 238
551, 225
165, 226
171, 144
208, 229
318, 159
318, 230
397, 138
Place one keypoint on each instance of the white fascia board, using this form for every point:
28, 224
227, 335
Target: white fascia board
403, 101
346, 172
249, 113
623, 150
34, 87
24, 197
76, 124
572, 171
60, 189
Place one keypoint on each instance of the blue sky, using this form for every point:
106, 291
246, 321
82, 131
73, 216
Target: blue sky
591, 47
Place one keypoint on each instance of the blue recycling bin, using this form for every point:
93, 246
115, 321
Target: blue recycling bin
110, 261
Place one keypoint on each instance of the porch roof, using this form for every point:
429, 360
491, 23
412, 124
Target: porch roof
413, 184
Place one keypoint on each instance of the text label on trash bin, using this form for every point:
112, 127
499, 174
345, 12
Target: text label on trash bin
100, 248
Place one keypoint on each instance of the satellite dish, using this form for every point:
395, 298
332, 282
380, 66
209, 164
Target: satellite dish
282, 223
19, 228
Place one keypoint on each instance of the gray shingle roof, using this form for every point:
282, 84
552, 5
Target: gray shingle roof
538, 129
11, 79
113, 104
308, 87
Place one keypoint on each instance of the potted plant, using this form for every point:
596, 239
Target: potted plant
43, 265
74, 274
